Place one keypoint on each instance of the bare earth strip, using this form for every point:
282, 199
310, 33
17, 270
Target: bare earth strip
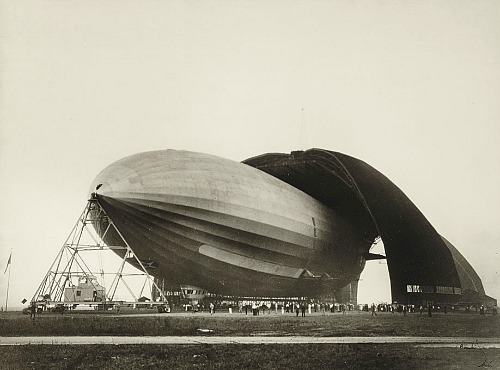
119, 340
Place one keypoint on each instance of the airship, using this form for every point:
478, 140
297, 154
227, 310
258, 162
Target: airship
275, 225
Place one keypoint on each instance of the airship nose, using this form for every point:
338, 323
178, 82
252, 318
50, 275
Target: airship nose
117, 180
103, 188
99, 188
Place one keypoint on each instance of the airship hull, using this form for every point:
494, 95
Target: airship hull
226, 227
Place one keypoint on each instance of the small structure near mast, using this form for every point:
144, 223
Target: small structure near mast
87, 290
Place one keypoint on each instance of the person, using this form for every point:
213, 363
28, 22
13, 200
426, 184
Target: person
255, 309
212, 310
429, 309
303, 309
373, 310
33, 310
297, 307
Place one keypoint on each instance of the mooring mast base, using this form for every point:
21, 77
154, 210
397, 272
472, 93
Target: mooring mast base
70, 281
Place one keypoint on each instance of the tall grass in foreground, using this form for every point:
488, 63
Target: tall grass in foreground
282, 356
353, 324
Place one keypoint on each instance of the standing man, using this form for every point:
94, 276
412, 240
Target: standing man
33, 310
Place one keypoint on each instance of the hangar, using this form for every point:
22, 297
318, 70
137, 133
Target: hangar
422, 264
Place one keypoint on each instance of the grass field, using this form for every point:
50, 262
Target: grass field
303, 356
351, 324
233, 356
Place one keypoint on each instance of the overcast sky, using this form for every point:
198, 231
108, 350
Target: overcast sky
410, 87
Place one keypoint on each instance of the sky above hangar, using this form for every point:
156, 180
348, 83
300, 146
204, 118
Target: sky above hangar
411, 87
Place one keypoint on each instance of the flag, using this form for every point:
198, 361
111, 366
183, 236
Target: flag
8, 263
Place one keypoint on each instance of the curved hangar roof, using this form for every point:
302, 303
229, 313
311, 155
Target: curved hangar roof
418, 258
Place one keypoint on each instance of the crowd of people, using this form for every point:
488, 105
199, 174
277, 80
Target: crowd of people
295, 307
303, 308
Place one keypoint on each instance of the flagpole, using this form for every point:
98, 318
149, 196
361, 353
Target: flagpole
8, 285
8, 281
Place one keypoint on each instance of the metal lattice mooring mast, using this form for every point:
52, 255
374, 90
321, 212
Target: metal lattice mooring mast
72, 280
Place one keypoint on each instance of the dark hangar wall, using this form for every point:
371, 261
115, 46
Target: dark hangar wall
421, 264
